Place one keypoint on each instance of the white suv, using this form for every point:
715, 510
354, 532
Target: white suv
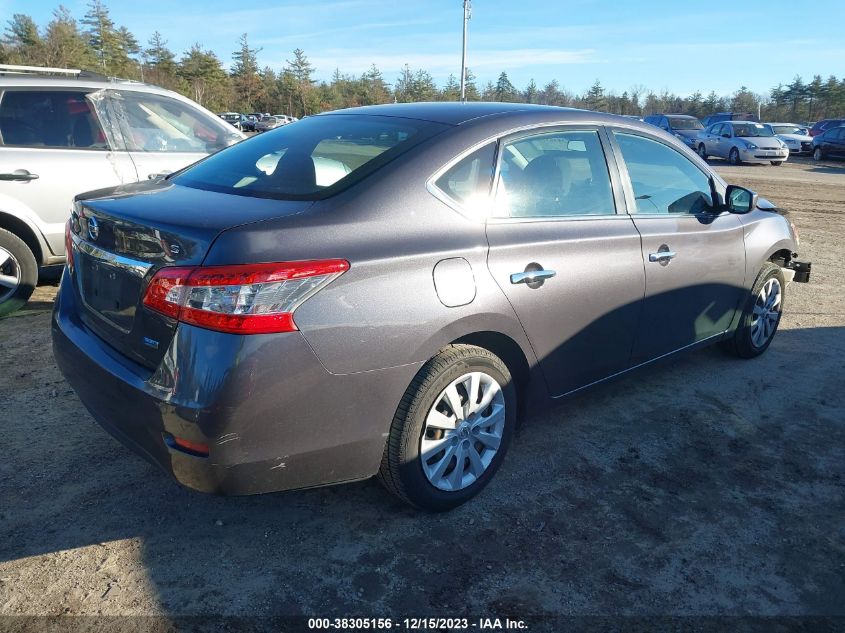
63, 132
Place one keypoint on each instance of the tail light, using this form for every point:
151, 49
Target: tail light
244, 299
69, 245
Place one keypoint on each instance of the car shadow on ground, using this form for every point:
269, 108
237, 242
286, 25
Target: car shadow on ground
828, 169
701, 484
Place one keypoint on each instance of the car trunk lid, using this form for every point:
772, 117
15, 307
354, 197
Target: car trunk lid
122, 236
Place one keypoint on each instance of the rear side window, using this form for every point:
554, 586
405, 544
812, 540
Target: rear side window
153, 123
308, 159
49, 118
554, 174
470, 176
663, 180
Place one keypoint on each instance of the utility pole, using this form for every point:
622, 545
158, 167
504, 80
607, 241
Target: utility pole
467, 16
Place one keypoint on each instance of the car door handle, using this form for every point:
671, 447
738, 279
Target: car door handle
530, 276
19, 174
661, 256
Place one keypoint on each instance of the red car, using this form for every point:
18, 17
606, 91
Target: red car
825, 124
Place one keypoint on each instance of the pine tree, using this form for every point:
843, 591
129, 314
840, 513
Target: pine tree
245, 80
207, 82
452, 90
160, 62
504, 90
595, 99
103, 37
23, 40
65, 45
531, 94
300, 70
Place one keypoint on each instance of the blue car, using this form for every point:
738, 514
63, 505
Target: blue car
684, 127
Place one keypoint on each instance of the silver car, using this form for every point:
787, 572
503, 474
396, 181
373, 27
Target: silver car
742, 142
796, 137
382, 290
63, 132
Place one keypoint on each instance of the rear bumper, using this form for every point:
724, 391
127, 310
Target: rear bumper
272, 416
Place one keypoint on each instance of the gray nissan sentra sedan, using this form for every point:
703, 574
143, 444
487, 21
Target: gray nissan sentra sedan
383, 290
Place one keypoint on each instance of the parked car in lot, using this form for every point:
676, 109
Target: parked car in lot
742, 142
825, 124
63, 132
795, 137
268, 123
248, 124
235, 119
829, 144
719, 117
434, 268
684, 127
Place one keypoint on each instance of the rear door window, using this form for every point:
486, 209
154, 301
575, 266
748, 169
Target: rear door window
554, 174
50, 119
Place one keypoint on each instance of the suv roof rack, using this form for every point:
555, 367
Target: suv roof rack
11, 69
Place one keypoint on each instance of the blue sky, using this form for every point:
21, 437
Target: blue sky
657, 44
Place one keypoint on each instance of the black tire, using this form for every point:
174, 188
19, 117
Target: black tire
741, 343
21, 263
777, 163
401, 470
733, 157
702, 151
817, 154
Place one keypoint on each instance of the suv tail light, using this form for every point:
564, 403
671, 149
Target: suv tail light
243, 299
69, 245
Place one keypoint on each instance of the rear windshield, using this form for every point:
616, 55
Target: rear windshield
309, 159
787, 129
685, 124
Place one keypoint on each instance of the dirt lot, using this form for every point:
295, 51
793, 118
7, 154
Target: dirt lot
704, 485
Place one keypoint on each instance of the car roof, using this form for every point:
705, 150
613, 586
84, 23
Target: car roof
783, 123
75, 83
456, 113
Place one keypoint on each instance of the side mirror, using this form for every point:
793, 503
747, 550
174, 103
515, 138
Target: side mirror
740, 200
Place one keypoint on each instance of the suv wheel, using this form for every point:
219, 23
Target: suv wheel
702, 151
451, 430
18, 272
817, 154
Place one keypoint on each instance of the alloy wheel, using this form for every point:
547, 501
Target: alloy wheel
10, 274
766, 313
463, 431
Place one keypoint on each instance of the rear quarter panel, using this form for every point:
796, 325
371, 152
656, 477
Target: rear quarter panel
383, 312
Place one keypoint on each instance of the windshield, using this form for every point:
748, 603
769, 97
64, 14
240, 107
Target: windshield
747, 130
309, 159
685, 124
787, 129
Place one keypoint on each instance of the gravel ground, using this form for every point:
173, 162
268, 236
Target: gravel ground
703, 485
